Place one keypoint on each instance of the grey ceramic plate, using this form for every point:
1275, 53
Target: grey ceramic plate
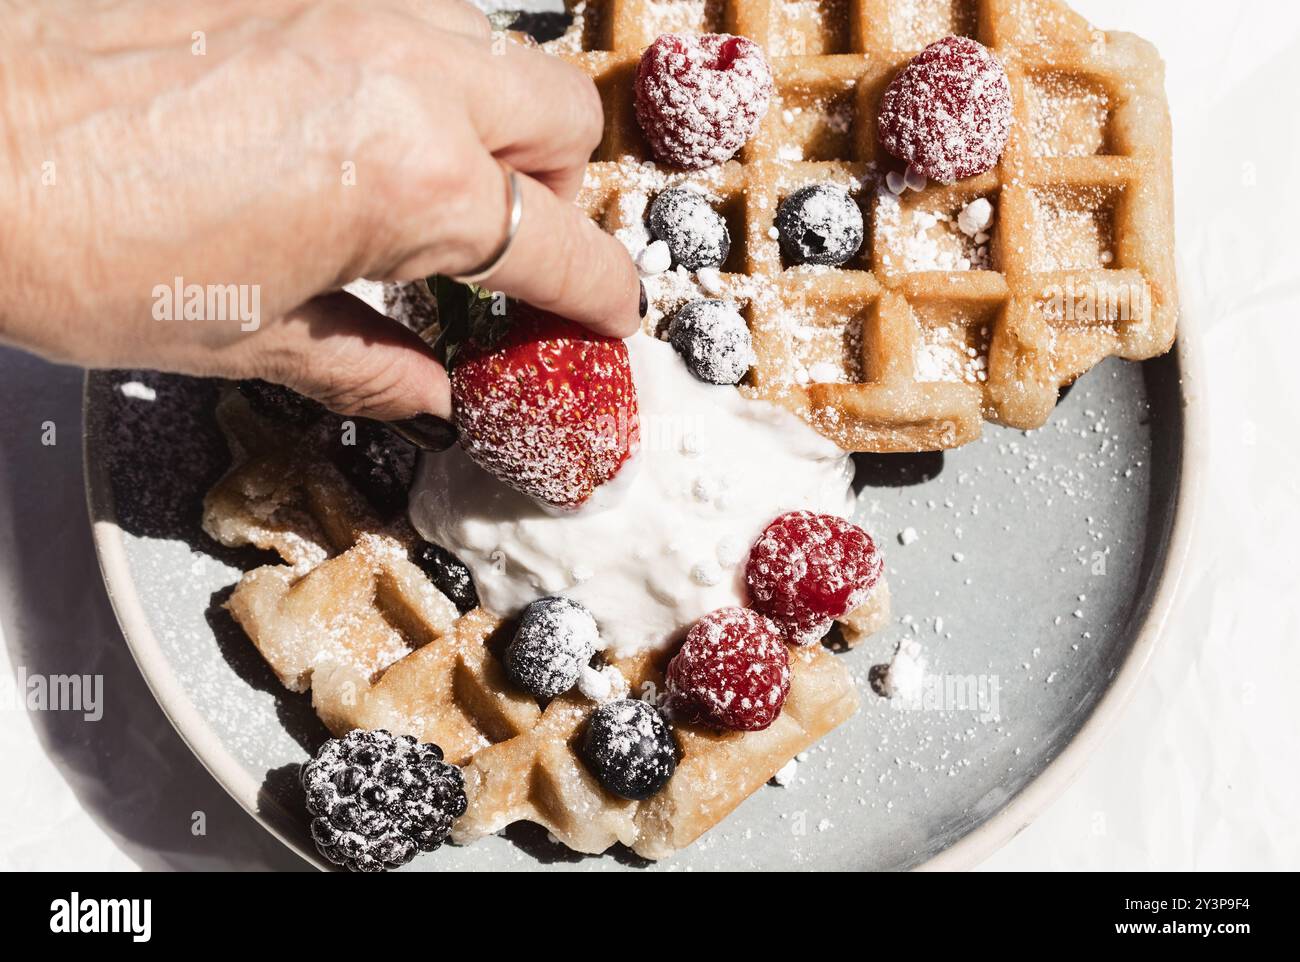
1042, 569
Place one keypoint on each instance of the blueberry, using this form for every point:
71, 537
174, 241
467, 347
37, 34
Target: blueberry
556, 637
695, 233
819, 224
630, 748
448, 574
713, 340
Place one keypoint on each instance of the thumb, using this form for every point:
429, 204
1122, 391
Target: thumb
341, 352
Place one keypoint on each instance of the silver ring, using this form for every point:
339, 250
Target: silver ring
516, 215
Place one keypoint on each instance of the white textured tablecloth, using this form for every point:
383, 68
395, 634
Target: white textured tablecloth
1200, 772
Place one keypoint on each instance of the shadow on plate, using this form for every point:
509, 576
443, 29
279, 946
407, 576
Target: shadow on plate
128, 770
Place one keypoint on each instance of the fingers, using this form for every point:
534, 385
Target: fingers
534, 111
455, 16
339, 351
560, 260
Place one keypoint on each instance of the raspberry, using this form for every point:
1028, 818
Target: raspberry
732, 672
698, 99
808, 569
948, 113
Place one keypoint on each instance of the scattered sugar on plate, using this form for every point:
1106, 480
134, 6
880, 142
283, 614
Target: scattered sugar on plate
785, 775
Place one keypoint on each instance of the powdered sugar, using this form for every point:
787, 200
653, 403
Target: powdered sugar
904, 679
1073, 230
1068, 116
945, 354
913, 240
602, 684
916, 23
655, 258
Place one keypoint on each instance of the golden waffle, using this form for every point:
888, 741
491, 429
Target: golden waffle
1079, 266
538, 776
351, 618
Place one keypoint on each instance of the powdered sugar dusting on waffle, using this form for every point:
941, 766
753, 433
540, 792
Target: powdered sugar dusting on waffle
913, 240
944, 354
669, 289
1068, 116
916, 23
681, 16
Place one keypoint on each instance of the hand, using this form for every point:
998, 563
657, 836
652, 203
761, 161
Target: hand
269, 151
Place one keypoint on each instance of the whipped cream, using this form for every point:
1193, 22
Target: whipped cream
713, 471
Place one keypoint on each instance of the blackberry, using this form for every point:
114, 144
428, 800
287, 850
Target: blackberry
379, 463
695, 233
448, 574
378, 799
630, 748
819, 224
279, 403
713, 340
556, 637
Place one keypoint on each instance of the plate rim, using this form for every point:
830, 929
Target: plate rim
964, 854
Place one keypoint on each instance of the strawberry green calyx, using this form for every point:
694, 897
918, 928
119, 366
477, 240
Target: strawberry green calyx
467, 313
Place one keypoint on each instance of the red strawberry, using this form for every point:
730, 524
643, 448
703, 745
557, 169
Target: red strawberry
698, 99
545, 405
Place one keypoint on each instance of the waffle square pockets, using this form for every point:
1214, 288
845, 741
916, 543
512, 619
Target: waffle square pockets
1074, 265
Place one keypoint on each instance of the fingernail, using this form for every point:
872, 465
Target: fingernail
645, 302
426, 432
